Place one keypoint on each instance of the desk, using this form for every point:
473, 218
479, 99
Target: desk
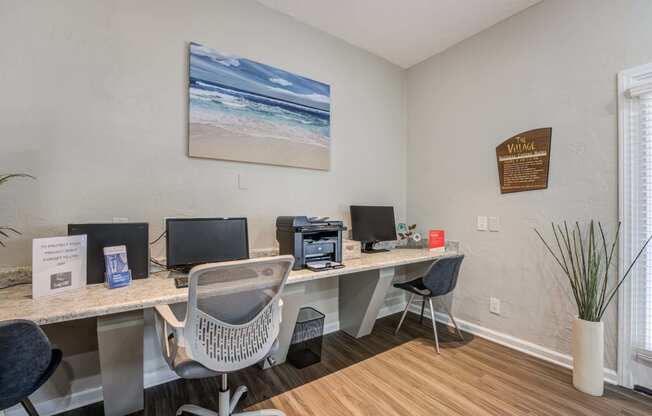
363, 285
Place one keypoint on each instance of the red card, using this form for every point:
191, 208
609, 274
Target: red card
436, 240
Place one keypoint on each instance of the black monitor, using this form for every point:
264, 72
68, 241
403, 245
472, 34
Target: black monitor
133, 235
371, 224
192, 241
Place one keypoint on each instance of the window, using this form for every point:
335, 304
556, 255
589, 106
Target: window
635, 298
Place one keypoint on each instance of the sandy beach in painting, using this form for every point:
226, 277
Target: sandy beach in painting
242, 110
211, 140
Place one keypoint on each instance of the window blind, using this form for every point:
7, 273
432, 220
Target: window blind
638, 218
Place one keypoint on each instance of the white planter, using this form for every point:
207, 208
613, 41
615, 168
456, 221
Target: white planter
588, 357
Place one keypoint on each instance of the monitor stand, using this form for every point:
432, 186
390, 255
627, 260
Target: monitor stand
368, 248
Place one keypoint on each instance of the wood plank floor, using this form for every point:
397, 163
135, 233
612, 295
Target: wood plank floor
383, 374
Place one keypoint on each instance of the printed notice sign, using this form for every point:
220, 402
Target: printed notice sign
437, 240
58, 264
524, 161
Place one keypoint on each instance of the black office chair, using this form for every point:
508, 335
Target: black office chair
27, 360
439, 280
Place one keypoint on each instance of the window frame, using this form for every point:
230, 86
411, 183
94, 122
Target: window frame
636, 78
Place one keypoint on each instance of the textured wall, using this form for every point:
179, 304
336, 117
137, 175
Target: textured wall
94, 103
553, 65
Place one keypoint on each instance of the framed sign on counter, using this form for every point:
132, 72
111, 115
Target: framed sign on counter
58, 264
524, 161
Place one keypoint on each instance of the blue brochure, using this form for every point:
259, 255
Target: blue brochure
118, 279
117, 268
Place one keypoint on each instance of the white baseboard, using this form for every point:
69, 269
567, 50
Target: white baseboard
164, 375
93, 395
82, 391
535, 350
391, 309
61, 404
159, 376
90, 395
331, 327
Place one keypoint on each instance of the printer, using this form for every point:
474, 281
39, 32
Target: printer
310, 240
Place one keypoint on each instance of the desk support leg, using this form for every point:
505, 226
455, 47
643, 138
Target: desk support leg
120, 341
361, 297
293, 299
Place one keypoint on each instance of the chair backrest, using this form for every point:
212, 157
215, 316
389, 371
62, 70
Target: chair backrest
233, 312
25, 354
442, 276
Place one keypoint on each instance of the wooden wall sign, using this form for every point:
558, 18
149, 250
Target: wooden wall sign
524, 161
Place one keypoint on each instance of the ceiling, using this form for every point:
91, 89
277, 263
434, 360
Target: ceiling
405, 32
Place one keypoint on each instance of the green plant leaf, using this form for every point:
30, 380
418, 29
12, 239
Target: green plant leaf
6, 177
586, 260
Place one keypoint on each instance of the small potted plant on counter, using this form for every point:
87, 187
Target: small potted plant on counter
585, 258
408, 237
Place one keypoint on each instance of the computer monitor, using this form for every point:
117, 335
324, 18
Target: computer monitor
372, 224
133, 235
192, 241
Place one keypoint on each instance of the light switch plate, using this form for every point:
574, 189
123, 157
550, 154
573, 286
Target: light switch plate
482, 223
494, 224
243, 184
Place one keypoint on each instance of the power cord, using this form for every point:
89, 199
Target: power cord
158, 238
165, 268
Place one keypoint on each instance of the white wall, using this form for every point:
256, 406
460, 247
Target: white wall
83, 79
553, 65
94, 104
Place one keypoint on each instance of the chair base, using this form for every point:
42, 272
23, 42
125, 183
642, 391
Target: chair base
432, 317
200, 411
227, 404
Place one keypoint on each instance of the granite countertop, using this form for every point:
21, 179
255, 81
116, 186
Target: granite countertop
95, 300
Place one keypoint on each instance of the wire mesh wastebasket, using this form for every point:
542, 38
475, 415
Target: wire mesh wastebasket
305, 347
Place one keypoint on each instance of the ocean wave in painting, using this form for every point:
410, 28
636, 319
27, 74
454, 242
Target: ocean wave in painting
246, 98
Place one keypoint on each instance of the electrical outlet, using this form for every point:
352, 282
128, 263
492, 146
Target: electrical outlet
494, 224
482, 223
494, 305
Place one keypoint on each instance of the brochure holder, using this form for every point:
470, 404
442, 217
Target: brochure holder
117, 268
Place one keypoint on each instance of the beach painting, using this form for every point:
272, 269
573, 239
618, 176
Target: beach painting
242, 110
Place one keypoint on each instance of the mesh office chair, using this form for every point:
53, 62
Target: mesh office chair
439, 280
231, 322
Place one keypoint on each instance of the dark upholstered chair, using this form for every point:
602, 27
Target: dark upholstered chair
27, 360
439, 280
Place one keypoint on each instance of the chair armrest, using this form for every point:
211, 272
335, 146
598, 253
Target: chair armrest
169, 331
165, 312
